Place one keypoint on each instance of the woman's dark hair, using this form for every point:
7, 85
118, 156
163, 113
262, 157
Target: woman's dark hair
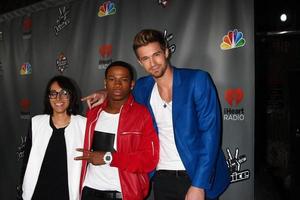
68, 85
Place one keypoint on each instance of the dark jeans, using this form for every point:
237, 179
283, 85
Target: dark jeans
92, 194
171, 185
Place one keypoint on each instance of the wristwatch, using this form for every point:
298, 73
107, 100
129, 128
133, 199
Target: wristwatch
107, 158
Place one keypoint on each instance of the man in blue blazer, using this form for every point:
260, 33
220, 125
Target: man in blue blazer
186, 112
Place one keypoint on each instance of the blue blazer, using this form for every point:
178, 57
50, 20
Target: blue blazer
197, 126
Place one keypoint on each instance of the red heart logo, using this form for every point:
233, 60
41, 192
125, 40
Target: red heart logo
105, 50
232, 95
25, 103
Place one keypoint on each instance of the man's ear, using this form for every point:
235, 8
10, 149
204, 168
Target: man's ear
139, 62
132, 84
167, 52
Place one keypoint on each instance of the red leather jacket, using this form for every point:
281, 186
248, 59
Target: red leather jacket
137, 147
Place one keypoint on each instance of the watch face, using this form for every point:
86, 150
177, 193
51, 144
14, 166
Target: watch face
107, 158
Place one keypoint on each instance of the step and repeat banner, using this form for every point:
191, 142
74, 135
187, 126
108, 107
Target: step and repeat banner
80, 38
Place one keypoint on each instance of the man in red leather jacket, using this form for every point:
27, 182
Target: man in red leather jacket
121, 145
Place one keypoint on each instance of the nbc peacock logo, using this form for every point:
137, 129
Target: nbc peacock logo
233, 39
25, 69
107, 8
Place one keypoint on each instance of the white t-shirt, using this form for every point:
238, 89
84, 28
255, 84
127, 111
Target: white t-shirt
104, 177
169, 158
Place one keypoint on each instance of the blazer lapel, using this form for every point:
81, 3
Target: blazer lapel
177, 95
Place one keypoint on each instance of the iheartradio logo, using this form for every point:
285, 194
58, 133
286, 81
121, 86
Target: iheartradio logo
25, 103
234, 96
105, 52
25, 107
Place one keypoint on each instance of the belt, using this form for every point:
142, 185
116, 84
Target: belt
176, 173
103, 193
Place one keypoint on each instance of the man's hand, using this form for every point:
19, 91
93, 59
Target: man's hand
95, 99
94, 157
195, 193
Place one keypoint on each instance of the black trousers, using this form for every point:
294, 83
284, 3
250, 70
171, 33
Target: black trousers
92, 194
171, 185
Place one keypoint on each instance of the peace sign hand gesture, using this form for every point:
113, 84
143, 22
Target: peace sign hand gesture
94, 157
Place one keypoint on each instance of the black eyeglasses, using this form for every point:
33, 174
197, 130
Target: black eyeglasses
63, 94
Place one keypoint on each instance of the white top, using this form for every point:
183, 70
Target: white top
104, 177
41, 134
169, 158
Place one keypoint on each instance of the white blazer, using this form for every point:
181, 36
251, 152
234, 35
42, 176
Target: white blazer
41, 133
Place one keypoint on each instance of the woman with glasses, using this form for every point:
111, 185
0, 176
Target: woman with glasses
50, 171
